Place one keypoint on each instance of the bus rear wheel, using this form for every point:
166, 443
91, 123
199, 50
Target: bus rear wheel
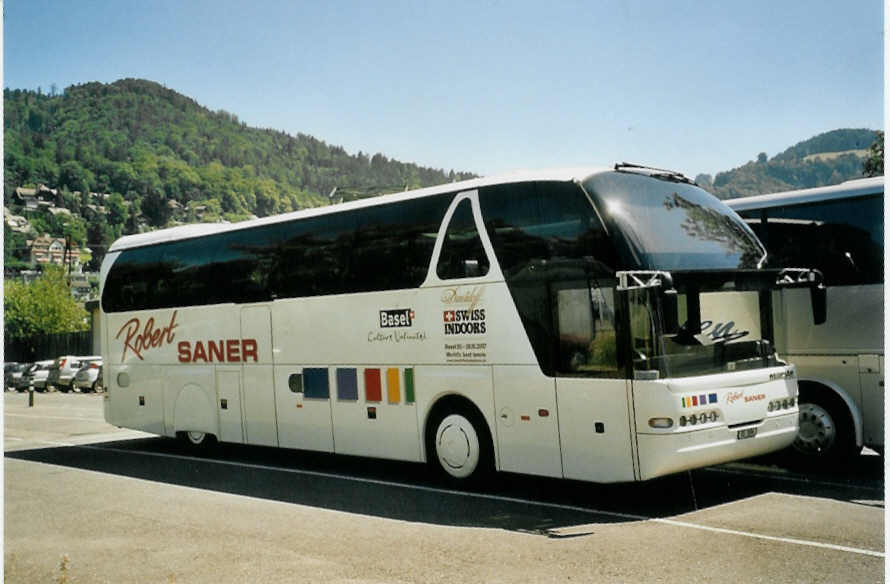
198, 441
459, 446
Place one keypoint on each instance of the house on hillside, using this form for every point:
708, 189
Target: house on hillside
51, 250
16, 222
36, 198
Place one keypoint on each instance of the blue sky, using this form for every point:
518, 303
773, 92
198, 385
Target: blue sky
485, 86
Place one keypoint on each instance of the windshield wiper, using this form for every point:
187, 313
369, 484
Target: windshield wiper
660, 173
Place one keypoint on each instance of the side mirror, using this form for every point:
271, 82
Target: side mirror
670, 312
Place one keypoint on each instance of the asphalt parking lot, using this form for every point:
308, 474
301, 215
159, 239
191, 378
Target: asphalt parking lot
86, 502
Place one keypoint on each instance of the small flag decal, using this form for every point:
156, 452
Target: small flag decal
690, 401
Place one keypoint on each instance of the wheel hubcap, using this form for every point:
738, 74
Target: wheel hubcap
195, 437
457, 446
817, 432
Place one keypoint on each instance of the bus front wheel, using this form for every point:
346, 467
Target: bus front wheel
459, 446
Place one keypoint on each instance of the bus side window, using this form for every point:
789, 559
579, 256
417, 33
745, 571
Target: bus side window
843, 239
462, 254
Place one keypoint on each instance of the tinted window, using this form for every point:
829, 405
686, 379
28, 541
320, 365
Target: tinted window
314, 256
530, 224
394, 244
664, 225
462, 254
553, 252
842, 238
375, 248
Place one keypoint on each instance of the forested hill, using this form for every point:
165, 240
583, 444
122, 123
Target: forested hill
826, 159
157, 156
153, 145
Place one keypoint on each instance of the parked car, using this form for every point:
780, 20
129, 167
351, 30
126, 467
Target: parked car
22, 381
8, 368
38, 374
89, 376
62, 371
12, 374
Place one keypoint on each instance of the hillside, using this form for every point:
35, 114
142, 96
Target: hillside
112, 159
826, 159
153, 145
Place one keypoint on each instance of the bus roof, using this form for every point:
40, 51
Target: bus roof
200, 229
850, 188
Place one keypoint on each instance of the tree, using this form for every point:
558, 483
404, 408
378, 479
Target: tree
44, 306
874, 161
117, 209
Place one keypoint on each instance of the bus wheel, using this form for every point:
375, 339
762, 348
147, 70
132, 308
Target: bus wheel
825, 434
198, 440
458, 445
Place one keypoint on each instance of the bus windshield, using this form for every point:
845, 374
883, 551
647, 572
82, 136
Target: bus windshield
666, 225
732, 341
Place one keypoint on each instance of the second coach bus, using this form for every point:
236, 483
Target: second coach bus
542, 323
839, 230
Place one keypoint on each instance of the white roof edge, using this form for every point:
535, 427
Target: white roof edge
851, 188
199, 229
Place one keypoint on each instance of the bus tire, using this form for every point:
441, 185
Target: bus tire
197, 441
458, 444
826, 432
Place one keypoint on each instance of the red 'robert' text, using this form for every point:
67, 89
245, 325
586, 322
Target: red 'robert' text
139, 339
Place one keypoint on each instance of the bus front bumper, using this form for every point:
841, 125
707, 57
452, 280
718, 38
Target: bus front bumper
668, 453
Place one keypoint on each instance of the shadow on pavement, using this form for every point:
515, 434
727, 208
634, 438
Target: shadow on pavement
405, 491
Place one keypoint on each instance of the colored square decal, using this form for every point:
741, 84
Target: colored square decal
316, 384
347, 384
683, 401
712, 398
695, 400
409, 386
372, 385
393, 387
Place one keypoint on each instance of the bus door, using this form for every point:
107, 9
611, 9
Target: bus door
258, 384
594, 414
527, 433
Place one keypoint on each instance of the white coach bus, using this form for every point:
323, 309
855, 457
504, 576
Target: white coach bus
529, 323
840, 231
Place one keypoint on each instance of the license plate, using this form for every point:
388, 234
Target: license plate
746, 433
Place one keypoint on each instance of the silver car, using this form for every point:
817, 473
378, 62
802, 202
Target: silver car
89, 376
38, 374
62, 371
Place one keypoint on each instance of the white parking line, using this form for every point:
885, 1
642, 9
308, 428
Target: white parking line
500, 498
804, 542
